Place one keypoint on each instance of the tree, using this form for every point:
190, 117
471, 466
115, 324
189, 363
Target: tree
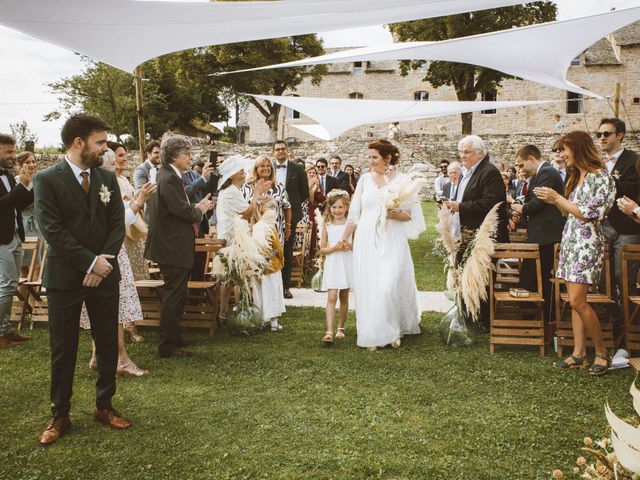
238, 56
177, 95
468, 80
25, 138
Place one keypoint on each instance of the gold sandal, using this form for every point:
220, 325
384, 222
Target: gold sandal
130, 369
327, 339
132, 330
340, 334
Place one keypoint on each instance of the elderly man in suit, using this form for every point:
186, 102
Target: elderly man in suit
450, 188
295, 182
481, 188
544, 222
173, 227
81, 216
618, 228
13, 199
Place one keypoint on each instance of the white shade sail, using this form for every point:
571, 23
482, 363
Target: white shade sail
338, 115
126, 33
540, 53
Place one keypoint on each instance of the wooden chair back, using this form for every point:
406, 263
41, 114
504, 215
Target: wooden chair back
630, 298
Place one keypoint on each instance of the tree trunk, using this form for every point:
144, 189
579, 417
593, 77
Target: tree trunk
467, 123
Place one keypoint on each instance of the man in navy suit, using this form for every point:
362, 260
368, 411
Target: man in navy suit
13, 199
295, 182
545, 221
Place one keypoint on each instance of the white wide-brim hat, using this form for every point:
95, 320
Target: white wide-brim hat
231, 166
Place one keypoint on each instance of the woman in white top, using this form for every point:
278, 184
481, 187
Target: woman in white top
231, 203
384, 284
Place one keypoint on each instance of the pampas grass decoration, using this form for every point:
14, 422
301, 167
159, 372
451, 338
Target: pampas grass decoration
474, 277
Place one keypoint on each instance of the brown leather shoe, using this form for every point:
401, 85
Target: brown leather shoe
6, 343
111, 418
16, 337
55, 430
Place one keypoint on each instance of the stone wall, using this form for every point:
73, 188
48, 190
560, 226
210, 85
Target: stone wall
420, 155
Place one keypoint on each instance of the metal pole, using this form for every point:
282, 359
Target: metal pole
616, 101
139, 109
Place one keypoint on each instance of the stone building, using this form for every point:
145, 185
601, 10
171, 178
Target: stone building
615, 59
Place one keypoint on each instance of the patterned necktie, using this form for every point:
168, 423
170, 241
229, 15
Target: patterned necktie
194, 226
85, 182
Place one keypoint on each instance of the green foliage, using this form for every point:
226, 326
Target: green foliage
23, 134
176, 92
468, 80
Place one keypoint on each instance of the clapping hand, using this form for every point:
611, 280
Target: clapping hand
142, 195
262, 186
626, 205
546, 194
207, 171
205, 204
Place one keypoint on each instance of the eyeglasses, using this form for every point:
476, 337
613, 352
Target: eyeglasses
604, 134
280, 149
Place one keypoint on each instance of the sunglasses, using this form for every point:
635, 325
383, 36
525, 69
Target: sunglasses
604, 134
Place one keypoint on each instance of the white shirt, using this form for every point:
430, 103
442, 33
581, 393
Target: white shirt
281, 173
323, 183
612, 159
465, 180
439, 184
76, 172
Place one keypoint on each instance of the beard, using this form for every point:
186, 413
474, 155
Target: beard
90, 159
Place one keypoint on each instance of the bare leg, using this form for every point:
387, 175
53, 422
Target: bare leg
344, 307
332, 298
584, 316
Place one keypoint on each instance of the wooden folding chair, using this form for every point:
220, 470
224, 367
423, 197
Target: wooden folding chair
518, 236
630, 303
36, 298
516, 320
601, 303
20, 308
297, 268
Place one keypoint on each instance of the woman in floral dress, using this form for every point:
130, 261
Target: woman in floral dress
590, 194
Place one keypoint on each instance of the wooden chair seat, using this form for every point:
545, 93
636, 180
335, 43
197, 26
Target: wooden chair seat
591, 298
516, 320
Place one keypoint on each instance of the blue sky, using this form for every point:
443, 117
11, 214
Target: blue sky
29, 64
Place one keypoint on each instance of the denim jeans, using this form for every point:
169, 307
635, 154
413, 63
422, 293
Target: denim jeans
10, 262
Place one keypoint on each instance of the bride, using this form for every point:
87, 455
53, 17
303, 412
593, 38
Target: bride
383, 278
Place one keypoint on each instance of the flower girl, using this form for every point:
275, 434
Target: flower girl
337, 266
268, 294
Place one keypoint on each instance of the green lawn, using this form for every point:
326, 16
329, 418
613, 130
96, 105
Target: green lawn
279, 406
430, 275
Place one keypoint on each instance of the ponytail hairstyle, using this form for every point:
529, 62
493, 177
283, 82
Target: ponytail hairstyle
262, 205
386, 149
333, 197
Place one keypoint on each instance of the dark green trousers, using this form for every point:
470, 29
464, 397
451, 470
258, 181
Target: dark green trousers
64, 318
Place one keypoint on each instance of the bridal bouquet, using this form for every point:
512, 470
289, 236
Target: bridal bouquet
241, 263
468, 278
397, 193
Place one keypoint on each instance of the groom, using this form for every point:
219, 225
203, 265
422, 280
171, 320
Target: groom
81, 217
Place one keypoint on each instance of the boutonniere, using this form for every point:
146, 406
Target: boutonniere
616, 174
105, 194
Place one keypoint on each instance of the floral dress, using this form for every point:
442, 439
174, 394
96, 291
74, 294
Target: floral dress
582, 246
279, 194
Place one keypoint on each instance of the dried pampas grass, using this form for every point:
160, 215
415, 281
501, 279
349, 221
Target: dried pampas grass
475, 274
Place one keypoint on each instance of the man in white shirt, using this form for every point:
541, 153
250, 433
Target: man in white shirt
143, 172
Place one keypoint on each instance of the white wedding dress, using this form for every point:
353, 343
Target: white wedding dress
383, 277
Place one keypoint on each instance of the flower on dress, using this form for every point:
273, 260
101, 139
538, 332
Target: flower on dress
585, 233
105, 194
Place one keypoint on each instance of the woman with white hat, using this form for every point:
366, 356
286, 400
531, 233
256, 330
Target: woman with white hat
232, 203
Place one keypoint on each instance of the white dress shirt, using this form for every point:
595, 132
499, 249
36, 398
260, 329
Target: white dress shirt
77, 173
612, 159
281, 173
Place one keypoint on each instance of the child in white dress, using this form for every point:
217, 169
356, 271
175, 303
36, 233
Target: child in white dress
336, 278
268, 294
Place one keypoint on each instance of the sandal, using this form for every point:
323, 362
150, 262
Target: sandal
276, 328
596, 370
93, 365
328, 338
578, 362
132, 330
340, 334
130, 369
372, 349
396, 345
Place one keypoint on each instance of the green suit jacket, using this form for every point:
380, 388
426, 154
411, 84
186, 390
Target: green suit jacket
77, 228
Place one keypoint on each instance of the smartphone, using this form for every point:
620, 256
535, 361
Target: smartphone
213, 158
